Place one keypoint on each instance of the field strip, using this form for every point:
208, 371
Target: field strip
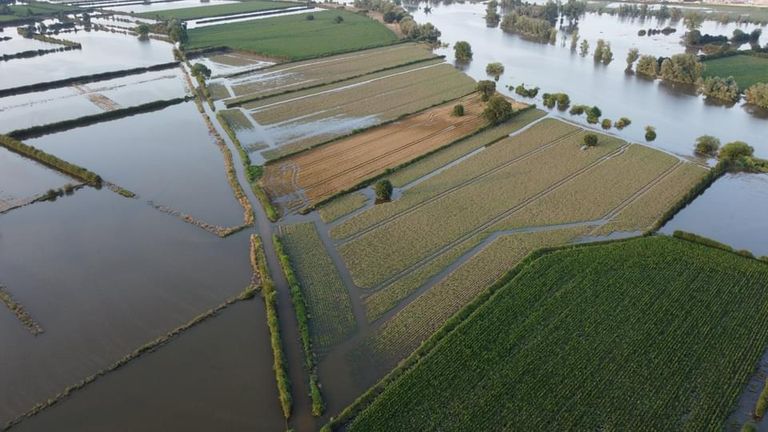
342, 88
461, 185
19, 312
501, 217
391, 152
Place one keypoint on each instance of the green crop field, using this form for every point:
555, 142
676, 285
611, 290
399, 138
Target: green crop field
649, 334
746, 69
217, 10
293, 37
330, 310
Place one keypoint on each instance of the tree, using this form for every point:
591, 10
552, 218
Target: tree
758, 95
492, 17
338, 20
682, 68
574, 40
143, 31
462, 51
494, 70
650, 133
590, 140
736, 150
622, 123
632, 57
486, 88
584, 48
719, 88
693, 20
201, 71
607, 56
606, 124
310, 17
707, 145
648, 66
598, 54
458, 110
177, 31
383, 190
497, 110
593, 114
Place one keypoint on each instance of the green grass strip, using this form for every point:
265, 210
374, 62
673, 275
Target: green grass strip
50, 160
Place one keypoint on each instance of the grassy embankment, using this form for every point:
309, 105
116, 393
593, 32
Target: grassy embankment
50, 160
293, 37
747, 70
218, 10
18, 310
625, 328
268, 293
302, 319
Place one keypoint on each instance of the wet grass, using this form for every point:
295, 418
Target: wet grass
746, 69
217, 10
294, 37
637, 349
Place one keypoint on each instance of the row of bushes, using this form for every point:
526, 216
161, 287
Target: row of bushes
683, 235
21, 314
302, 318
252, 172
50, 160
84, 79
37, 52
57, 41
36, 131
268, 292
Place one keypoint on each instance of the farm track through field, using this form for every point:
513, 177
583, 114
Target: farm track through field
459, 186
498, 218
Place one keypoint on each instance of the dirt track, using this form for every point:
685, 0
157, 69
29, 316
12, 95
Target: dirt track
332, 168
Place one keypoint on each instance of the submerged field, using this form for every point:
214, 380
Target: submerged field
294, 37
624, 336
747, 70
217, 10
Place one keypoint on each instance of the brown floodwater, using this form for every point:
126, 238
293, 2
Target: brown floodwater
215, 376
165, 156
102, 275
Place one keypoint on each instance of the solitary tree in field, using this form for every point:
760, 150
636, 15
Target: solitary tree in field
462, 51
590, 140
498, 109
707, 145
143, 31
383, 190
494, 70
650, 133
486, 88
458, 110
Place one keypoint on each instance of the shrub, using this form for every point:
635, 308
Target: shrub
650, 133
758, 95
494, 70
762, 402
486, 88
622, 123
383, 190
648, 66
200, 70
606, 124
462, 51
749, 427
578, 109
458, 110
590, 140
593, 115
338, 19
530, 93
736, 150
310, 17
498, 110
707, 145
725, 89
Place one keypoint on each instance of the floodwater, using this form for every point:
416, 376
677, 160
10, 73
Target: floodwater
102, 52
33, 109
249, 16
102, 275
24, 179
161, 6
18, 44
733, 210
215, 376
679, 118
165, 156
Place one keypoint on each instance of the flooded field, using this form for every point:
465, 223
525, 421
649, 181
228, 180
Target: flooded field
678, 116
108, 276
18, 44
165, 156
102, 52
145, 7
27, 110
217, 373
24, 180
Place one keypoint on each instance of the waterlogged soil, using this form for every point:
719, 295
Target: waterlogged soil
23, 180
102, 275
679, 116
216, 375
34, 109
166, 156
733, 211
232, 62
101, 52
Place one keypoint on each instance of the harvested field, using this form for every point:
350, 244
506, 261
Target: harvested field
322, 172
306, 118
609, 352
298, 75
330, 311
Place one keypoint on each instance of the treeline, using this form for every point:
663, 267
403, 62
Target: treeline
393, 13
533, 28
38, 52
302, 319
84, 79
36, 131
50, 160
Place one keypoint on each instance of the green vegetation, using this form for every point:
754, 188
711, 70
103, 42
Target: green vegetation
524, 92
650, 133
293, 38
560, 99
217, 10
50, 160
647, 66
458, 110
590, 140
269, 294
758, 95
18, 310
762, 402
495, 70
707, 145
747, 70
536, 29
498, 110
681, 68
383, 189
589, 325
622, 123
606, 123
302, 319
342, 206
462, 52
486, 89
724, 89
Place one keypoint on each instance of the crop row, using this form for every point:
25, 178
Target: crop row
394, 247
491, 158
310, 73
618, 337
328, 304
